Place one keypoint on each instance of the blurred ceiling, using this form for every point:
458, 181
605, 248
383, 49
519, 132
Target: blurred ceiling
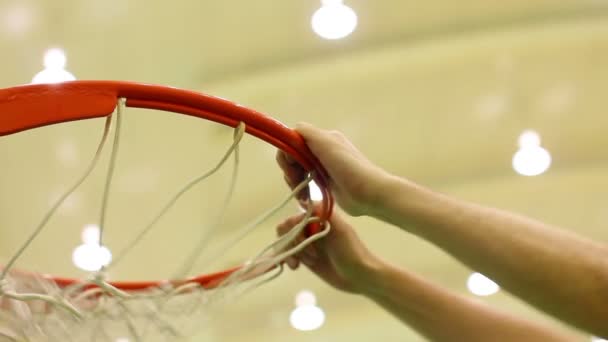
434, 91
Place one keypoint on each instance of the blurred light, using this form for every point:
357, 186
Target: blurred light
55, 59
598, 339
305, 297
54, 72
481, 285
307, 318
67, 152
90, 234
558, 99
91, 257
529, 138
492, 106
315, 191
52, 76
122, 339
17, 19
334, 20
531, 159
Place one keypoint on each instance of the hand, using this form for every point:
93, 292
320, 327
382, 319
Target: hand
353, 179
340, 258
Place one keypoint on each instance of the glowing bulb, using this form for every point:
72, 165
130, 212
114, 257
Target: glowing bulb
90, 257
528, 138
480, 285
55, 59
531, 161
315, 191
90, 234
305, 297
54, 68
334, 20
52, 76
307, 318
17, 19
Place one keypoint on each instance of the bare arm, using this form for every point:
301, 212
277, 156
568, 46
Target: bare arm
561, 273
441, 315
555, 270
343, 261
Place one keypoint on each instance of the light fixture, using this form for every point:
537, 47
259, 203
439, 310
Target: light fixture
307, 315
334, 20
90, 234
481, 285
531, 159
90, 255
16, 19
54, 71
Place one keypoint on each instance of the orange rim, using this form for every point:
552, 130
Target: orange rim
81, 100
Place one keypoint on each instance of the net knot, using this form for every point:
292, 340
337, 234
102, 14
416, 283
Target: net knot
5, 286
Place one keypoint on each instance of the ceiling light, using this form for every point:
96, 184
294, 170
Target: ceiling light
305, 297
17, 19
528, 138
55, 59
481, 285
91, 257
334, 20
531, 159
307, 315
90, 234
307, 318
54, 71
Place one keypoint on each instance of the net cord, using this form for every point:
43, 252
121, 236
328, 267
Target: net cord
59, 201
269, 257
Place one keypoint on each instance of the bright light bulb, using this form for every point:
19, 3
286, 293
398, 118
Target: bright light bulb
480, 285
90, 257
91, 234
305, 297
334, 20
54, 68
531, 161
55, 59
529, 138
315, 191
53, 76
307, 318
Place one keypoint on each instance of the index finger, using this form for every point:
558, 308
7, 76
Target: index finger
294, 172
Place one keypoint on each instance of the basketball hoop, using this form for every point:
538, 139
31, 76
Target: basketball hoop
47, 307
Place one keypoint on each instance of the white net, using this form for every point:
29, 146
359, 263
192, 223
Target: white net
34, 307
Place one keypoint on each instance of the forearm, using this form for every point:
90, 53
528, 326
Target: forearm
555, 270
441, 315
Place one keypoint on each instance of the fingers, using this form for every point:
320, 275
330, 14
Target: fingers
318, 139
293, 172
308, 255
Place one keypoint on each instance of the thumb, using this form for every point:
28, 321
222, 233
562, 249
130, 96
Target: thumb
309, 132
313, 136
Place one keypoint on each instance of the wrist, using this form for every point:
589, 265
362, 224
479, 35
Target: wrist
369, 277
388, 187
379, 280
